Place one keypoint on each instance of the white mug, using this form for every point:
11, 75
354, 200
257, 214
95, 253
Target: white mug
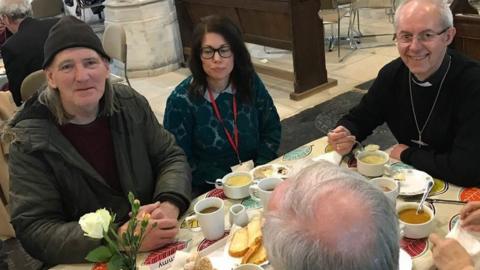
211, 217
238, 215
261, 190
389, 186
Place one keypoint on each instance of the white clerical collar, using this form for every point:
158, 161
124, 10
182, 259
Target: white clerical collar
216, 94
422, 84
437, 76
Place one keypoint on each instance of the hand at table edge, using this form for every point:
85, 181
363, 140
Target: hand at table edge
448, 254
397, 150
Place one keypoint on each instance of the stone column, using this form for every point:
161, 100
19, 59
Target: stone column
153, 36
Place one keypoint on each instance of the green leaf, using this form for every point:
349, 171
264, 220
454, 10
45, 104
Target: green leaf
99, 254
131, 197
116, 262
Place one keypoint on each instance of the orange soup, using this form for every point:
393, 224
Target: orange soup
409, 215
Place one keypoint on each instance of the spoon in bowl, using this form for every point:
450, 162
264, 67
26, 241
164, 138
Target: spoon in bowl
360, 146
424, 197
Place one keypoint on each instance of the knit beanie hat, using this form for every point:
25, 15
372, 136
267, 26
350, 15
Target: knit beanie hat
70, 32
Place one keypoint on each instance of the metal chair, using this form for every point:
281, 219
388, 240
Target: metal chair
32, 83
85, 4
331, 12
47, 8
387, 5
115, 44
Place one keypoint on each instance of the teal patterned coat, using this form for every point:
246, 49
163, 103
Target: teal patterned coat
202, 137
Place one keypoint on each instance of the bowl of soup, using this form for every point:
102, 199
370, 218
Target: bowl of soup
235, 185
371, 163
415, 226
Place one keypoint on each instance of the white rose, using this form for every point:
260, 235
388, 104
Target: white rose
105, 217
94, 224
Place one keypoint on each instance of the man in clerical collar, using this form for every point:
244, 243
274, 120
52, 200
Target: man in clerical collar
428, 97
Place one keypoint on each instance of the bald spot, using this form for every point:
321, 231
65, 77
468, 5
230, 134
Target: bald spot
343, 221
417, 9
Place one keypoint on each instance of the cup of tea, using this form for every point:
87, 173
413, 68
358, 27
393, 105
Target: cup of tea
261, 190
211, 217
389, 186
415, 225
238, 215
371, 163
235, 185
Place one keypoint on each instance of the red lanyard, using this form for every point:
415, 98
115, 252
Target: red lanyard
233, 141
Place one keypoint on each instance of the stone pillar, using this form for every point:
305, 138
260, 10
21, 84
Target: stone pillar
153, 36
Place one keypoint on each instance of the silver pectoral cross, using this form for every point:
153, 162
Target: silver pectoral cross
419, 141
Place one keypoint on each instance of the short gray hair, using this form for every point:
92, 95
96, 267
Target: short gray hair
446, 16
50, 97
292, 234
16, 9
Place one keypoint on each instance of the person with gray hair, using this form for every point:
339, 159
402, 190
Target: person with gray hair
83, 144
327, 217
428, 97
22, 53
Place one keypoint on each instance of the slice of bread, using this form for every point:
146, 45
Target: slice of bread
239, 244
254, 231
256, 254
259, 256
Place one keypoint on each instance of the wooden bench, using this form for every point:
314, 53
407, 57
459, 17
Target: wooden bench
285, 24
467, 39
467, 22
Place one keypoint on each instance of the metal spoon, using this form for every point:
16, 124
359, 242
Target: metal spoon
360, 146
424, 197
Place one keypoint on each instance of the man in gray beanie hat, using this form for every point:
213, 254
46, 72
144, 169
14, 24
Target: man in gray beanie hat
71, 32
83, 144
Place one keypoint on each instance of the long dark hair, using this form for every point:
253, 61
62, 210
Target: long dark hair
242, 74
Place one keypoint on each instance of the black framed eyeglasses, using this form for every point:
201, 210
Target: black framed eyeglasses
208, 52
425, 36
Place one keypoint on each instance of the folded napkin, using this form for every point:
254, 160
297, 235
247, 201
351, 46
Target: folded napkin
332, 157
470, 241
180, 260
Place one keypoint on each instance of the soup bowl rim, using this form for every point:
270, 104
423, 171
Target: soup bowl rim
414, 205
226, 177
365, 153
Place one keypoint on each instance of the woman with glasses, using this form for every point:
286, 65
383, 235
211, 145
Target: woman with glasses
428, 97
222, 115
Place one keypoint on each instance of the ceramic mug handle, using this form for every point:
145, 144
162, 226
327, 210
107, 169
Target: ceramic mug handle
219, 184
253, 190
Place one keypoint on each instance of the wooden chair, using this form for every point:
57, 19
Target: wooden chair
7, 109
115, 45
32, 83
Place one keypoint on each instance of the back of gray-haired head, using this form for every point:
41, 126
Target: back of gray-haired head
298, 236
445, 13
16, 9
